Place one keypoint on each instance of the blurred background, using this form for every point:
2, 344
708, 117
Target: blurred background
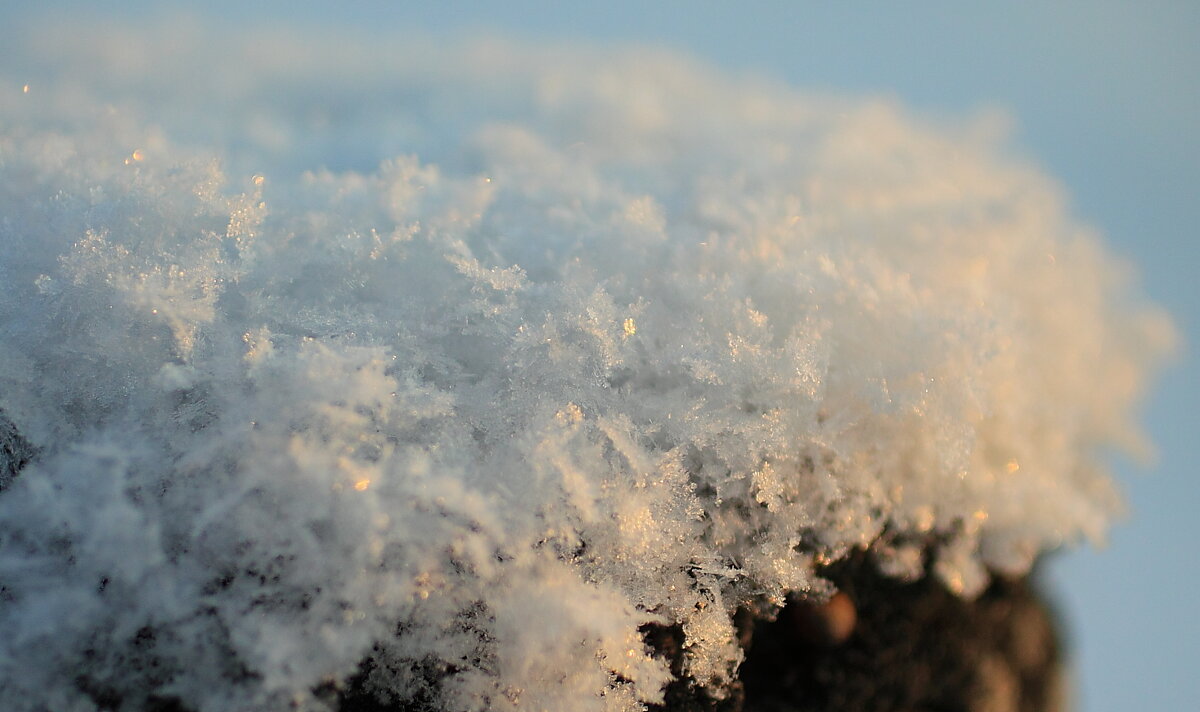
1104, 95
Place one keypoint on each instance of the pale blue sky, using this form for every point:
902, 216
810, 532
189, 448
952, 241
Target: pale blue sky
1105, 96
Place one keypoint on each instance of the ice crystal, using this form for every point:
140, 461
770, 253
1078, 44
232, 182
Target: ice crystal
469, 362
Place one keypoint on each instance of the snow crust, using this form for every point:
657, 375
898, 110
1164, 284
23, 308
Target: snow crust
471, 360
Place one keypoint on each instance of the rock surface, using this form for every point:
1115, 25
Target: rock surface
916, 646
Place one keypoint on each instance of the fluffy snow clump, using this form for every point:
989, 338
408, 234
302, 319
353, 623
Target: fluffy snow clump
458, 367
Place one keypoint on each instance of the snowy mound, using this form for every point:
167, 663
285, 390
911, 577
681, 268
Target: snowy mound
470, 362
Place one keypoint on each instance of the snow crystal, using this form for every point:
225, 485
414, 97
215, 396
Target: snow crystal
458, 366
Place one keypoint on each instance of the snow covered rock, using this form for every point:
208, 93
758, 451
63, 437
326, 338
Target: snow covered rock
472, 362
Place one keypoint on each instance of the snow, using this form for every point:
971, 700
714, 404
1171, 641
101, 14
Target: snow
473, 359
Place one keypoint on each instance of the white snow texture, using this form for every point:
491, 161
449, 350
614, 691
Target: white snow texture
471, 359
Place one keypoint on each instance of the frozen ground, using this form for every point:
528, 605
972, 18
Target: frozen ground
311, 342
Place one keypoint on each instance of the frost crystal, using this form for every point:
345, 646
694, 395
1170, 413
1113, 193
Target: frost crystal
470, 362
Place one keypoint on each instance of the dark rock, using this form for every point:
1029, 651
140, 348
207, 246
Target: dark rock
915, 646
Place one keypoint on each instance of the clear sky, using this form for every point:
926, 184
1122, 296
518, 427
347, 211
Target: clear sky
1104, 95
